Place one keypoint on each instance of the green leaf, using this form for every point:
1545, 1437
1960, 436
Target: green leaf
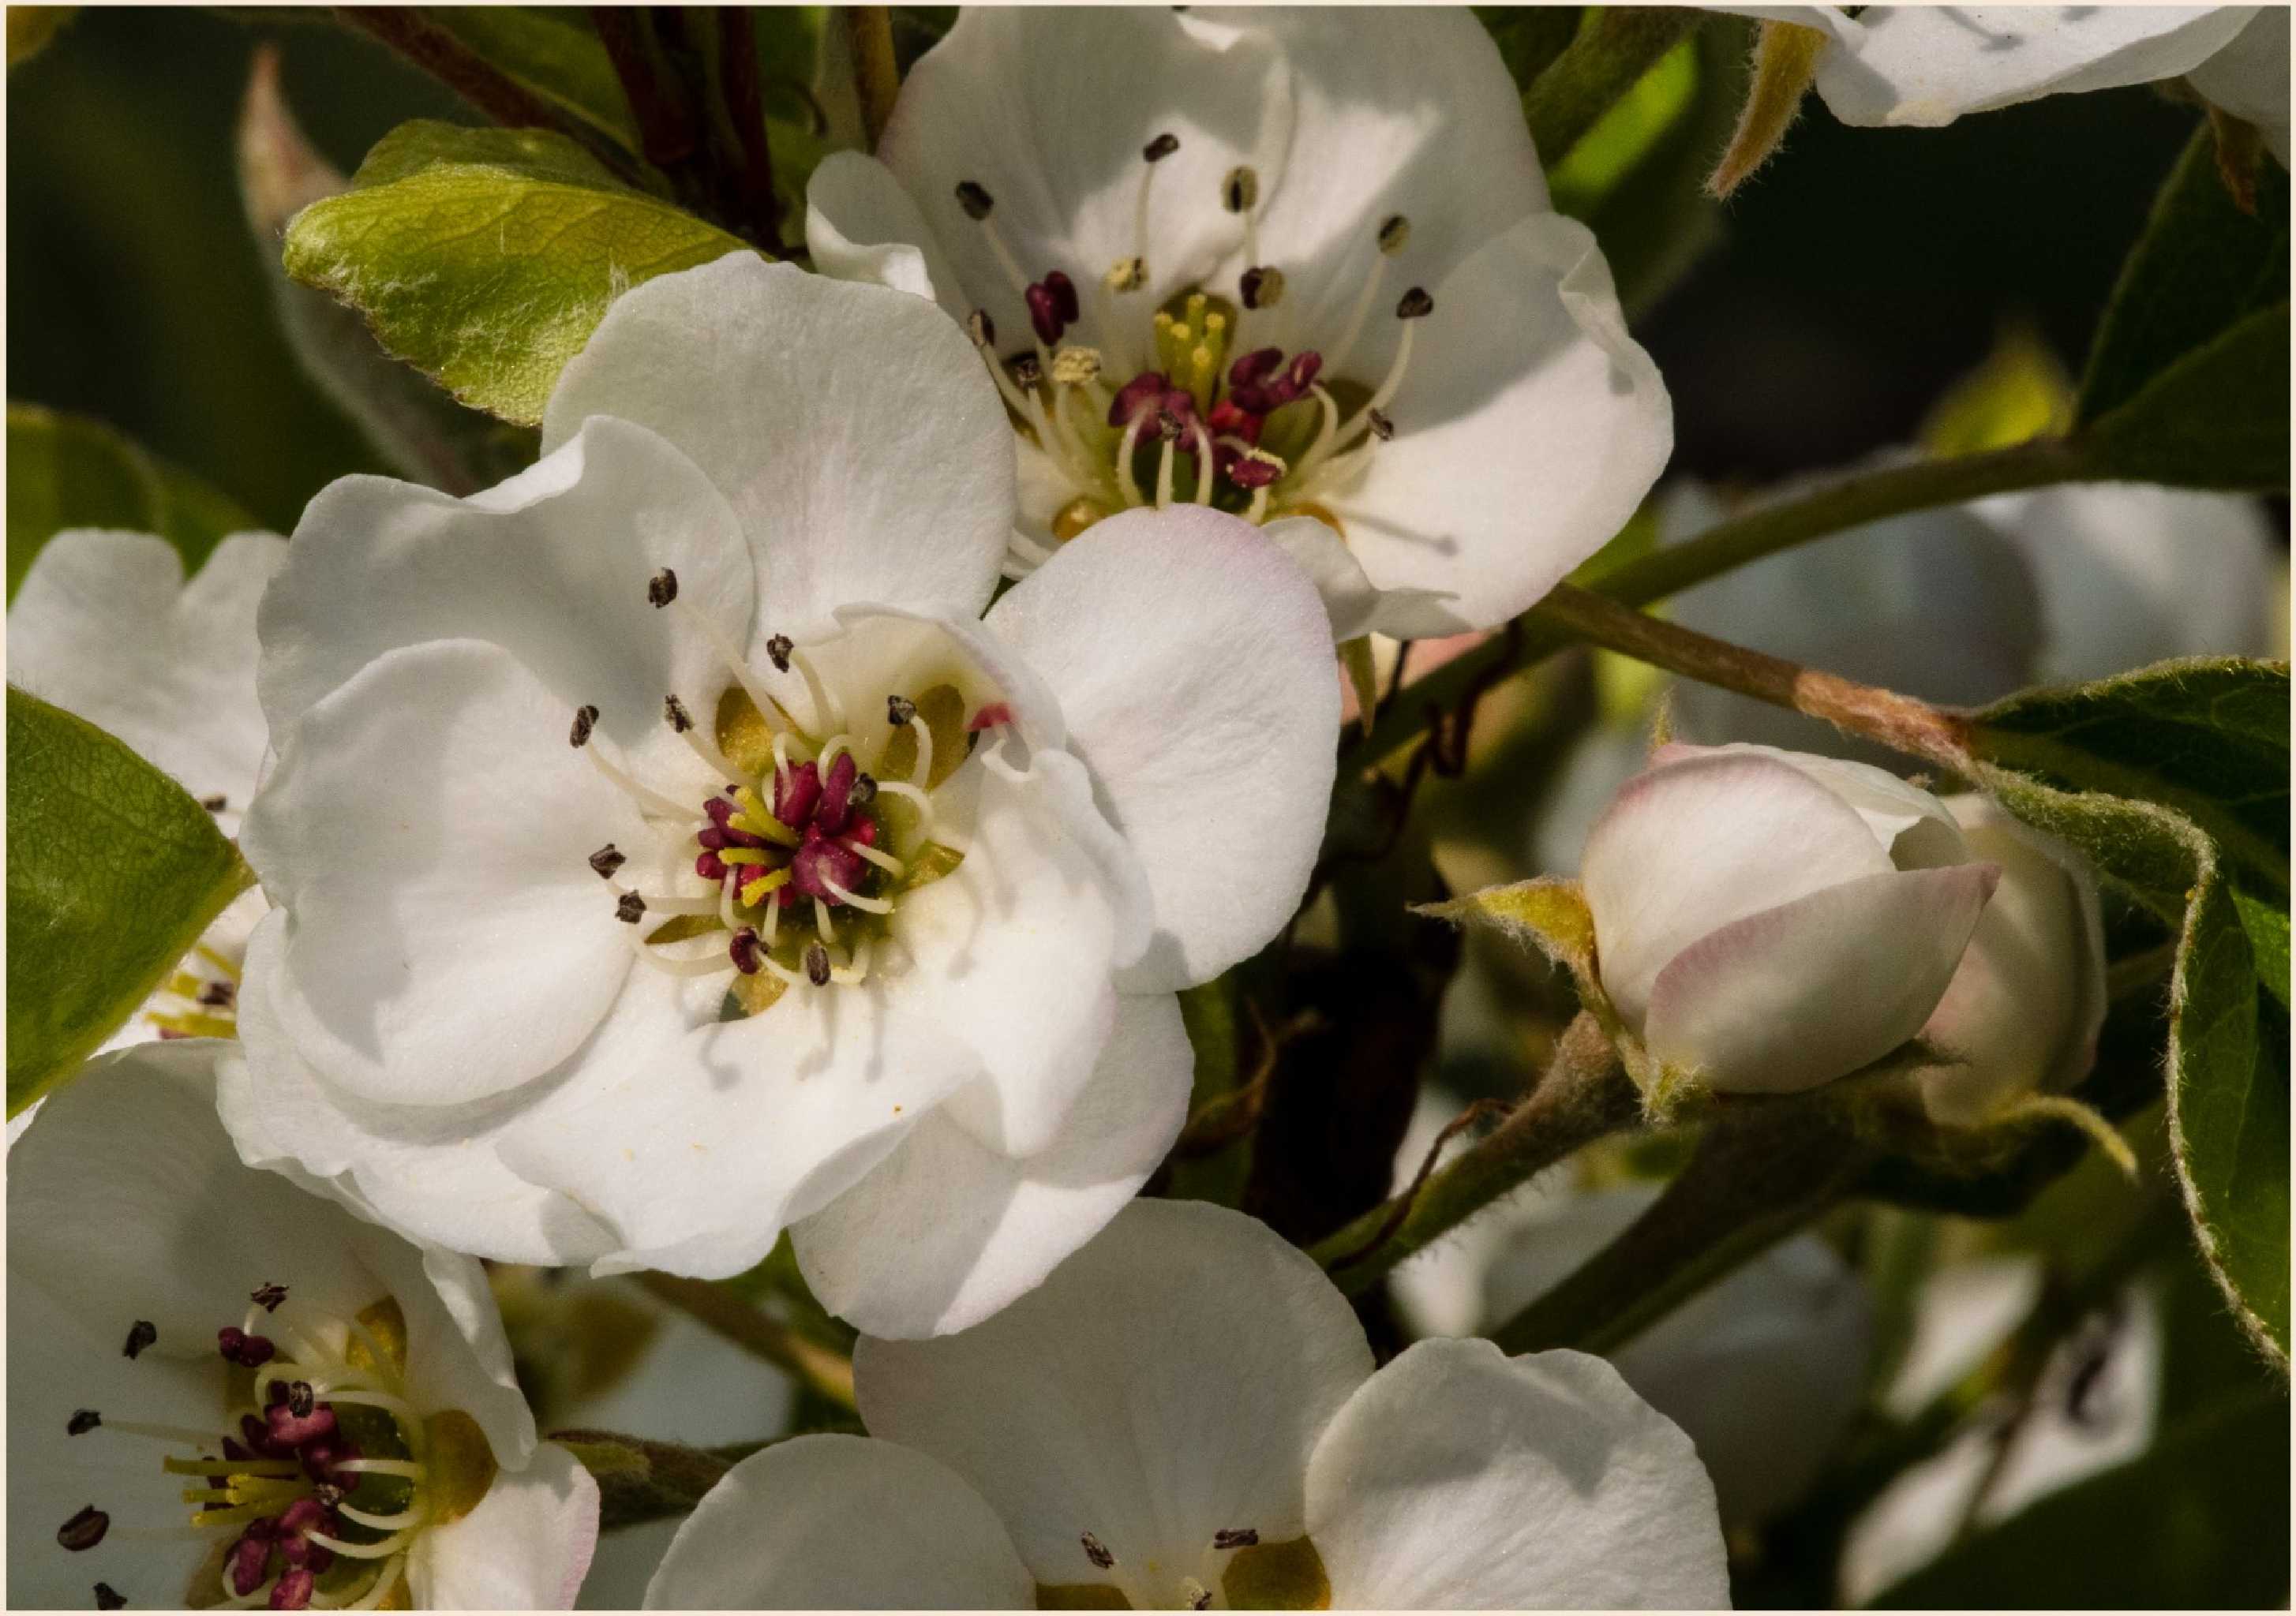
113, 873
69, 471
1615, 47
2217, 418
2207, 737
2202, 1519
2228, 1121
486, 257
2201, 266
2174, 780
422, 432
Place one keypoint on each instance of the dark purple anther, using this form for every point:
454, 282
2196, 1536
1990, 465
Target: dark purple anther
84, 1530
241, 1348
292, 1592
837, 795
1304, 368
292, 1429
321, 1457
820, 861
796, 793
710, 867
1251, 472
1257, 366
251, 1557
1043, 313
1145, 391
1064, 297
743, 951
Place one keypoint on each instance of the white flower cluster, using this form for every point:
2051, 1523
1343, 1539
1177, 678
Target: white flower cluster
793, 806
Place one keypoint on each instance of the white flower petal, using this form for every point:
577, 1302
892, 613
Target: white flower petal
1167, 1381
125, 1201
841, 1523
1528, 428
1799, 995
552, 566
428, 828
439, 1183
2024, 1007
1405, 110
861, 225
852, 429
525, 1547
1048, 109
697, 1149
1192, 661
1460, 1477
2248, 78
59, 1363
946, 1230
1926, 66
1013, 949
104, 625
1686, 848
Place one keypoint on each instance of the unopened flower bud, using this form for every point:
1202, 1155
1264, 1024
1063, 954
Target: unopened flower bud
1771, 920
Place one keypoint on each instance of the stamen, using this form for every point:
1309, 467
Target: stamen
1199, 1596
651, 804
817, 966
390, 1523
902, 788
1261, 286
829, 710
1394, 234
662, 589
1126, 485
381, 1550
1204, 478
82, 1422
1168, 430
857, 972
141, 1334
384, 1468
586, 719
607, 860
708, 965
878, 856
1240, 195
85, 1529
755, 892
875, 906
630, 909
735, 662
1095, 1551
824, 923
110, 1599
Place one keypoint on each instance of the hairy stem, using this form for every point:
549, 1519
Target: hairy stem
877, 74
1753, 1179
829, 1372
1585, 1096
1895, 721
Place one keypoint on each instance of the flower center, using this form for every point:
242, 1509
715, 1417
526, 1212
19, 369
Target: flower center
1207, 419
319, 1474
1236, 1571
792, 870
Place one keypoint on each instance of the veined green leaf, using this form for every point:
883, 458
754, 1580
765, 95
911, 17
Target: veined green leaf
2217, 418
2174, 780
113, 872
69, 471
486, 257
2201, 266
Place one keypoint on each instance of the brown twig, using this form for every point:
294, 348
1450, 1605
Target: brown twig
745, 107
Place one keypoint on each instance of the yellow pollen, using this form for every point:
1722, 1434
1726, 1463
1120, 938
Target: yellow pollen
765, 884
197, 1025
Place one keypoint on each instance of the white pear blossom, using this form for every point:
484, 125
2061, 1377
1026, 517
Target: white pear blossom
2022, 1012
226, 1392
703, 703
1772, 920
107, 627
1311, 250
1965, 604
1186, 1415
1926, 66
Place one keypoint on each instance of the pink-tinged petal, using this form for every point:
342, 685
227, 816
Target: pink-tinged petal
1694, 843
1813, 989
947, 1231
